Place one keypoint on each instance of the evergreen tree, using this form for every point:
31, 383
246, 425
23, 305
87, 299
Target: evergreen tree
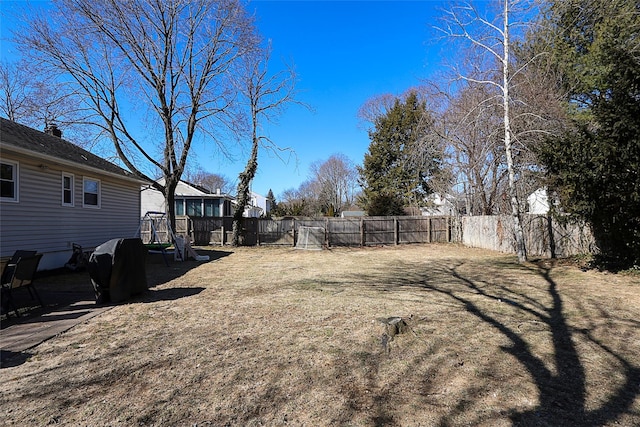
273, 206
390, 170
385, 204
595, 166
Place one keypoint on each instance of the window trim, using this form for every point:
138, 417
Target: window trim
72, 189
15, 180
86, 179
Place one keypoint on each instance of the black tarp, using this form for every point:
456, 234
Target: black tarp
118, 270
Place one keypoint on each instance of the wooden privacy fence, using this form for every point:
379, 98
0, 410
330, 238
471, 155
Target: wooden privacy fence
365, 231
544, 236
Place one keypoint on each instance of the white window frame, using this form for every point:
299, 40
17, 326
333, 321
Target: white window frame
86, 179
15, 180
72, 189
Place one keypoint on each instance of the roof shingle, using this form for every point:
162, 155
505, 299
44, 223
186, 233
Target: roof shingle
26, 138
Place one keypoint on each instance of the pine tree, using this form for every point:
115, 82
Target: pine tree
389, 170
273, 206
595, 166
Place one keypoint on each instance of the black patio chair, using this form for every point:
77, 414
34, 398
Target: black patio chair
17, 275
11, 264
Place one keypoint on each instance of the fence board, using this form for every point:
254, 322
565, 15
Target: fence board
344, 232
276, 232
543, 235
490, 232
413, 230
379, 231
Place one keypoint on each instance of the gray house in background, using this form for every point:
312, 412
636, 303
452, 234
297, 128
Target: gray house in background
54, 193
190, 200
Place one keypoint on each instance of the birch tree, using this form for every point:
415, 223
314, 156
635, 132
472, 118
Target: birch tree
154, 73
491, 35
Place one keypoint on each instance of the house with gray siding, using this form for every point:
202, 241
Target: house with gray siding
54, 193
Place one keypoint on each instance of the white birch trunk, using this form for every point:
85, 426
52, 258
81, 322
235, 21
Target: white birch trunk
517, 227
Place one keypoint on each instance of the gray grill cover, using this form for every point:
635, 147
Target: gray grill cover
118, 270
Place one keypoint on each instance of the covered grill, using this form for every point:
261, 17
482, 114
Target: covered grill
118, 270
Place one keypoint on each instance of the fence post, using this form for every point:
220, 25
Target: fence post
448, 225
396, 234
293, 230
326, 232
429, 230
362, 232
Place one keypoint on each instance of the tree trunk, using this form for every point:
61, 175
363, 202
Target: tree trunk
169, 197
243, 192
515, 210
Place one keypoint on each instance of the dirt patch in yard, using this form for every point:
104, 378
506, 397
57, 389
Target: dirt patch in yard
278, 336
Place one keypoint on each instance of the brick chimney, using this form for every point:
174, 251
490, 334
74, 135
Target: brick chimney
53, 130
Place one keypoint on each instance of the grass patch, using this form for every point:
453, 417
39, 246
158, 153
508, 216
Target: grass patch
274, 336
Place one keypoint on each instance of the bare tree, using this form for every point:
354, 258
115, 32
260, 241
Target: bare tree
265, 96
210, 181
166, 63
379, 105
337, 179
471, 130
293, 202
30, 98
376, 106
492, 38
14, 92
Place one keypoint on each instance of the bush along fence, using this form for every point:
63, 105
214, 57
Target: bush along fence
544, 235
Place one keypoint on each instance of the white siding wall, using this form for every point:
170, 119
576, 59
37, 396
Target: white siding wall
40, 222
151, 201
538, 202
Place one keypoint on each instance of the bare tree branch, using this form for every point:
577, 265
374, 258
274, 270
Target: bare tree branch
171, 58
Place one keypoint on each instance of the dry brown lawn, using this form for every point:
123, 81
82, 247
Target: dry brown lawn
278, 336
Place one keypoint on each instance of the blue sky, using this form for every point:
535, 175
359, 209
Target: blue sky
344, 52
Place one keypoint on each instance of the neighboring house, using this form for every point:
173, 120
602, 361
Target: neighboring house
261, 202
190, 199
538, 202
438, 205
54, 193
259, 206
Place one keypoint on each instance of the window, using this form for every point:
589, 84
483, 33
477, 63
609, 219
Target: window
211, 208
91, 193
67, 189
194, 207
179, 206
9, 181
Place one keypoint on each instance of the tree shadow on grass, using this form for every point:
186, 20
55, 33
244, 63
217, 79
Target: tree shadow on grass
167, 294
562, 391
